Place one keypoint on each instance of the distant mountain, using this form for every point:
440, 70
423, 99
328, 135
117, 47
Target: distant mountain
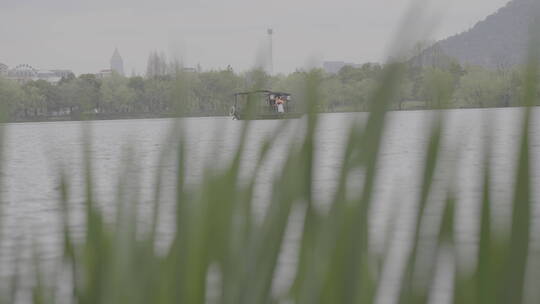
499, 41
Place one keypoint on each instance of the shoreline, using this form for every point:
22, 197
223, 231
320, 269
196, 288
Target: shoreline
132, 116
116, 116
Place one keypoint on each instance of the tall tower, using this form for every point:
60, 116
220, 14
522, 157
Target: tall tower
117, 64
270, 33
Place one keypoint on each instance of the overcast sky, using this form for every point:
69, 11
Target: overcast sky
81, 35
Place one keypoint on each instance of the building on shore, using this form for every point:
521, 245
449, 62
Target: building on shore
333, 67
117, 63
189, 70
104, 73
3, 70
48, 76
63, 73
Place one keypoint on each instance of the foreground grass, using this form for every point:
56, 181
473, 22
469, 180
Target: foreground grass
221, 253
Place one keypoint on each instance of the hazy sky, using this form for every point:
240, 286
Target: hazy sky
81, 35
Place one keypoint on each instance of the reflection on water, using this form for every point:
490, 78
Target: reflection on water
36, 151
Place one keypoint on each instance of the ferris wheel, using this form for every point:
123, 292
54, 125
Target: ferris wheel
23, 71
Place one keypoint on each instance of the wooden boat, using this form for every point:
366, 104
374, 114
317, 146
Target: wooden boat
264, 104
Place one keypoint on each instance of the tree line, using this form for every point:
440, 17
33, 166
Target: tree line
167, 89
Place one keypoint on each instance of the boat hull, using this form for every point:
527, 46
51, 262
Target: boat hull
269, 116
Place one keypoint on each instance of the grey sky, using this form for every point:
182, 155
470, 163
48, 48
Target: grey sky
81, 35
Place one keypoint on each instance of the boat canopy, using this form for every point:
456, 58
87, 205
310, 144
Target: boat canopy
265, 92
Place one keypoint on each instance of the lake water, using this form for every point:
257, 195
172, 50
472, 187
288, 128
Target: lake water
36, 151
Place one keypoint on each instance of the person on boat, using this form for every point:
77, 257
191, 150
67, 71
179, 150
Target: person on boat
273, 101
280, 106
